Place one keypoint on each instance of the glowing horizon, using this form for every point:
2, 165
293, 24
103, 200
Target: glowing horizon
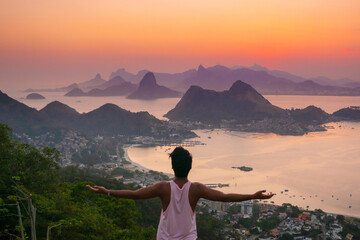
62, 42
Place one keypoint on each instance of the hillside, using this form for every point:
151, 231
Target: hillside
109, 119
21, 117
350, 113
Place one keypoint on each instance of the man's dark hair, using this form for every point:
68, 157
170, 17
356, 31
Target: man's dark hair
181, 161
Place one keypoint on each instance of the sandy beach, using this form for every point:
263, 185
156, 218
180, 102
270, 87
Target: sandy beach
131, 165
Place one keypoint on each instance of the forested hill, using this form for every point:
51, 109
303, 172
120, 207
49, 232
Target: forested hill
63, 202
108, 119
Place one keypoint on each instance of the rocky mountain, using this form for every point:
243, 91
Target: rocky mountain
241, 103
35, 96
148, 89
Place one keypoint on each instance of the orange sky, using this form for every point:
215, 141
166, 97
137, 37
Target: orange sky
58, 42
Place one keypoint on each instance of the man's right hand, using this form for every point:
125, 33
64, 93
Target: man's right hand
98, 189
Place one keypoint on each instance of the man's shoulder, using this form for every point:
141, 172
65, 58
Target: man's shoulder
197, 185
162, 184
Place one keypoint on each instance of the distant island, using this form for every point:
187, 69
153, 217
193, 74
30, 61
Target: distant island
35, 96
148, 89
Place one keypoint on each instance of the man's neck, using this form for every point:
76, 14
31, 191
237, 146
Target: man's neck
180, 181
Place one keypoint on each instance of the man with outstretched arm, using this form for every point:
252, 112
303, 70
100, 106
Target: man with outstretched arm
179, 198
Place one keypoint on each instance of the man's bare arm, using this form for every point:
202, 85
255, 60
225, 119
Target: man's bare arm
215, 195
142, 193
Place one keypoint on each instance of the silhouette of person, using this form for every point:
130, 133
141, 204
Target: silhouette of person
179, 198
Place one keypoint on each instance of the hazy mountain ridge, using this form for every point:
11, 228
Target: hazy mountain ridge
98, 80
123, 89
221, 78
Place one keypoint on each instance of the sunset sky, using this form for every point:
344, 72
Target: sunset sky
54, 43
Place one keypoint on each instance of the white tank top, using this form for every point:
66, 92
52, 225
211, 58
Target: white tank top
178, 222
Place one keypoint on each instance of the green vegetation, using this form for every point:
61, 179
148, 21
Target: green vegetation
60, 197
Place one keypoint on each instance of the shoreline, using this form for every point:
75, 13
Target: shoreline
133, 166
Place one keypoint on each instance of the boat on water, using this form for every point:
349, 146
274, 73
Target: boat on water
244, 168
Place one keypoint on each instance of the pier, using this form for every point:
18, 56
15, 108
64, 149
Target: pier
216, 185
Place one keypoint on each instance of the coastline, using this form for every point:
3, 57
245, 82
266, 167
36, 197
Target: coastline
133, 166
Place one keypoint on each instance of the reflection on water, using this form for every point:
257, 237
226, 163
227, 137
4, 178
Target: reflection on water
318, 166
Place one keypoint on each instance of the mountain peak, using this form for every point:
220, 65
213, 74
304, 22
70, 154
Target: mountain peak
109, 106
98, 76
148, 80
201, 68
149, 89
239, 87
59, 107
